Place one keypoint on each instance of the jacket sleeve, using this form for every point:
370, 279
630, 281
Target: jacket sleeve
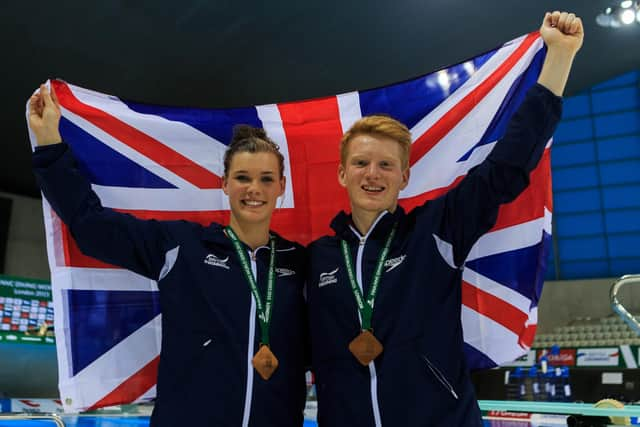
471, 208
102, 233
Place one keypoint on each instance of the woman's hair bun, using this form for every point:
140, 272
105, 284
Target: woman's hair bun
241, 132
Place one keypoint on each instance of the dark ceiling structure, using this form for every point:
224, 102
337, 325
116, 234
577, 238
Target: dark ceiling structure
210, 53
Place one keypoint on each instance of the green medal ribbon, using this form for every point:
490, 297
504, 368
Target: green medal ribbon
264, 310
366, 306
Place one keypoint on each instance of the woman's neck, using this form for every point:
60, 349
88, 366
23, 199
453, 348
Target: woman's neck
253, 235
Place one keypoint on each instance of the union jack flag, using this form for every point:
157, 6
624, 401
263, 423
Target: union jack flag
166, 163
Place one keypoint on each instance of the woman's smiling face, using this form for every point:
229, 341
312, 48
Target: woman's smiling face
253, 184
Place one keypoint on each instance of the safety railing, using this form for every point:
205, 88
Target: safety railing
29, 417
617, 306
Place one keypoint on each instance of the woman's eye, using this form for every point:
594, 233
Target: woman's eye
267, 179
242, 178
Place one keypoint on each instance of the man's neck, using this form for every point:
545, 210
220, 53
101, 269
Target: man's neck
364, 220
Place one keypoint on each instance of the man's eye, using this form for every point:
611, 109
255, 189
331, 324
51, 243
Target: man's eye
360, 163
385, 165
242, 178
267, 179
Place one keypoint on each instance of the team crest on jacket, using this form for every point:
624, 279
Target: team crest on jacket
213, 260
392, 263
328, 278
283, 272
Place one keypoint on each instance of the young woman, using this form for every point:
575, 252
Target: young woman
233, 330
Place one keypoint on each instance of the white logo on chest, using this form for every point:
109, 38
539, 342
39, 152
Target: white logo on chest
214, 261
282, 272
328, 278
393, 263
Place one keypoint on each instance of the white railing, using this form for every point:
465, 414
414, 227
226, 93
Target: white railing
617, 306
27, 417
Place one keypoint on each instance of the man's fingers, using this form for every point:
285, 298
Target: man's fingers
562, 21
576, 26
555, 16
568, 23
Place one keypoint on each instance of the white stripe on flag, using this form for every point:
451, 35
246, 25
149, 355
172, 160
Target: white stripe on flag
180, 137
102, 279
112, 368
489, 337
162, 199
506, 294
467, 132
271, 120
349, 108
511, 238
126, 151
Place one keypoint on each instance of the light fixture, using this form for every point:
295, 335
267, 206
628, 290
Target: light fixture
627, 16
620, 14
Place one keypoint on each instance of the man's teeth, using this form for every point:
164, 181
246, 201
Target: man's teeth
253, 203
370, 188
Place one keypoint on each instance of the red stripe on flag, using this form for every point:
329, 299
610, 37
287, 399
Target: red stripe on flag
139, 141
530, 204
313, 130
443, 126
494, 308
134, 387
411, 202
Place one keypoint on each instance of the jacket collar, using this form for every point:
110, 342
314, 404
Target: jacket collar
344, 228
215, 234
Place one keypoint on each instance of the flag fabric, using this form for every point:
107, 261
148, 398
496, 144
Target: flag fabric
166, 163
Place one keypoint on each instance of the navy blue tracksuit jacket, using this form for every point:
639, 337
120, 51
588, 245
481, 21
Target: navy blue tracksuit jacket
210, 330
421, 378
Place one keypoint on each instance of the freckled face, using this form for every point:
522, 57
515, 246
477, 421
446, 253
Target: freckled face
373, 174
253, 184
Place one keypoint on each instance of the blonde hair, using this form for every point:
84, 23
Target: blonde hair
378, 125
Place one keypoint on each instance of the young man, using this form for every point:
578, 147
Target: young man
400, 362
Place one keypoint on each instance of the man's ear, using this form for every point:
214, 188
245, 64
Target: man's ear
405, 178
342, 178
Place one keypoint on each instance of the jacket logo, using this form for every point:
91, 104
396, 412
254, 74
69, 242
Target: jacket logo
283, 272
393, 263
328, 278
213, 260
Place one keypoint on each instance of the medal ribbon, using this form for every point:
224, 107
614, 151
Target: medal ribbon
366, 306
264, 310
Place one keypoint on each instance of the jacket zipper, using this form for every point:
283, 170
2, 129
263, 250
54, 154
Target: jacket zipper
440, 377
362, 240
250, 350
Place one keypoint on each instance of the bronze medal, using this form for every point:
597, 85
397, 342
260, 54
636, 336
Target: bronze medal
365, 347
265, 362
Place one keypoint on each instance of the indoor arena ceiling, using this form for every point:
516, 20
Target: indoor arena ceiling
215, 53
